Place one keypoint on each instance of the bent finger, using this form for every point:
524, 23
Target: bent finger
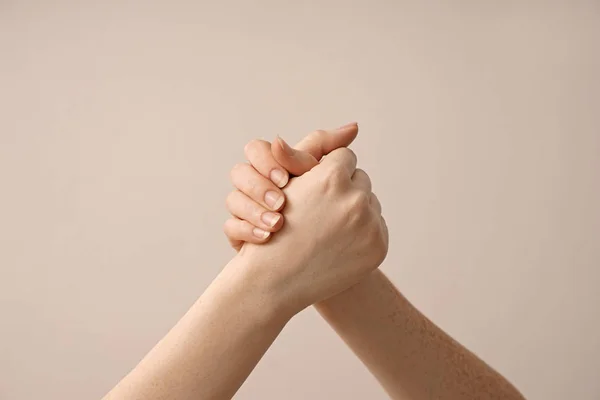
297, 162
260, 189
238, 232
375, 203
362, 180
342, 158
246, 209
322, 142
259, 154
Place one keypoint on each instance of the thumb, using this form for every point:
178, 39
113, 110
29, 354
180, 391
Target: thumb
309, 151
297, 162
320, 143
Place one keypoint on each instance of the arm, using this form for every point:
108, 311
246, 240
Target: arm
214, 347
210, 352
408, 354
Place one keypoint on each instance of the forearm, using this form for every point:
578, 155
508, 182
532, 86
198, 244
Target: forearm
410, 356
213, 348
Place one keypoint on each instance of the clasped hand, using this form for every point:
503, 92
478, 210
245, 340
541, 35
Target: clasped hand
333, 234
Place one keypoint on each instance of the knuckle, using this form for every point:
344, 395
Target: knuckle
359, 211
318, 134
336, 174
241, 166
231, 199
237, 169
228, 227
378, 241
254, 213
374, 244
360, 201
374, 202
346, 152
382, 252
324, 186
253, 146
344, 156
331, 180
352, 155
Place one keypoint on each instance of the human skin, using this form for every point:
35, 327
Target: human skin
210, 352
409, 355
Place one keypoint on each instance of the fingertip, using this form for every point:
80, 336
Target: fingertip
285, 148
260, 234
283, 157
239, 232
277, 225
277, 149
279, 177
349, 132
349, 125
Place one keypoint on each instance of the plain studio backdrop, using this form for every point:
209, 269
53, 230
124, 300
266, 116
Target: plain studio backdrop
119, 122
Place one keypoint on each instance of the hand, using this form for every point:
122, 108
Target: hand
334, 235
254, 204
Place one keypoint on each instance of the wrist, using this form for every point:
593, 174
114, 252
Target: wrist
248, 278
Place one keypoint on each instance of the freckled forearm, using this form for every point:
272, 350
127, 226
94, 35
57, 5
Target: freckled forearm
410, 356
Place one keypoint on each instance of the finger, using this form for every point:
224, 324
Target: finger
258, 153
260, 189
342, 158
246, 209
238, 232
362, 180
375, 203
309, 151
322, 142
297, 162
386, 232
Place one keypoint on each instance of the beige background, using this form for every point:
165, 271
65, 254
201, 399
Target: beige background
480, 127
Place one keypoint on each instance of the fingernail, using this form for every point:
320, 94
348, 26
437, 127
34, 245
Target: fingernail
270, 218
348, 125
286, 147
273, 200
259, 233
279, 178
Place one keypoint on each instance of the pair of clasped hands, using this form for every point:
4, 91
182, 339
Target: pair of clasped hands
301, 241
306, 216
